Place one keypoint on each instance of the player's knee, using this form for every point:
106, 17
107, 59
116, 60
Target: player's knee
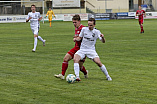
65, 59
76, 60
80, 64
35, 35
98, 62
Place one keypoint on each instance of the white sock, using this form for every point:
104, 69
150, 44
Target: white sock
76, 69
35, 42
40, 38
104, 70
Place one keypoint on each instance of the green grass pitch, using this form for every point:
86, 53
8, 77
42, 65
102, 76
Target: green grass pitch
130, 58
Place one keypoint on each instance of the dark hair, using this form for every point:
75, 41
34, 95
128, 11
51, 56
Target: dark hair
33, 5
92, 19
76, 17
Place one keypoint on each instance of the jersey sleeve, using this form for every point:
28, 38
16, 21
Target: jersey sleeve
47, 13
53, 13
82, 33
99, 33
28, 16
136, 12
39, 16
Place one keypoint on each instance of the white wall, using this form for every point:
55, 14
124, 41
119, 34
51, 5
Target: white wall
115, 5
154, 2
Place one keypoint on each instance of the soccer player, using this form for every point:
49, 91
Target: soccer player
34, 18
50, 13
69, 56
141, 14
89, 35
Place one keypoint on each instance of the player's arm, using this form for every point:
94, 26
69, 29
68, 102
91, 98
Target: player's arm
101, 36
145, 14
77, 39
28, 19
103, 39
137, 14
53, 14
80, 36
47, 14
40, 19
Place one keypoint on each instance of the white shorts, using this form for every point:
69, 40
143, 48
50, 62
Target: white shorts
91, 54
35, 30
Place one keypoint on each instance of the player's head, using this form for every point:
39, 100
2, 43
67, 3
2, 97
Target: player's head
49, 8
139, 7
76, 20
91, 23
33, 7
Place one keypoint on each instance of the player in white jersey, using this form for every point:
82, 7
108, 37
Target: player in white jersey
89, 35
34, 18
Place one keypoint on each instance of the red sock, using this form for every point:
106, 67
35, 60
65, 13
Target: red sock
64, 67
141, 28
83, 70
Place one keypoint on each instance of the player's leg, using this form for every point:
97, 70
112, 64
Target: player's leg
50, 19
102, 67
82, 68
35, 32
77, 58
66, 58
35, 42
141, 26
41, 39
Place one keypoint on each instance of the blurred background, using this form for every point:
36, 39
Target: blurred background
22, 7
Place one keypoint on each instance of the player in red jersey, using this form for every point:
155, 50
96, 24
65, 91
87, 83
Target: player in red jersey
69, 56
141, 14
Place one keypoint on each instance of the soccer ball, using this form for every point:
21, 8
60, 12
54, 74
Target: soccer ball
70, 78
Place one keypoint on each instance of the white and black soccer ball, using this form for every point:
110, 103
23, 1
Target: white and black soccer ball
70, 78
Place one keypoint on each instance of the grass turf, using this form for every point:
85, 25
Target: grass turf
130, 58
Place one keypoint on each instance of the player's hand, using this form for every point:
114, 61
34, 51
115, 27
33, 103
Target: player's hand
45, 16
103, 39
74, 39
102, 35
138, 14
29, 18
74, 36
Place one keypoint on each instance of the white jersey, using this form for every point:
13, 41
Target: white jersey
89, 38
34, 23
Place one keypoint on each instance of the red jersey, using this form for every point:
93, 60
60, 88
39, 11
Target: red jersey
77, 32
141, 16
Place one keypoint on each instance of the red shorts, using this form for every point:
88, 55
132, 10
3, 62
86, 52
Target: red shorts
73, 51
140, 21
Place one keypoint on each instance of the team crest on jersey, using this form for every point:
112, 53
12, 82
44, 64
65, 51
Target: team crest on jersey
93, 35
78, 32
